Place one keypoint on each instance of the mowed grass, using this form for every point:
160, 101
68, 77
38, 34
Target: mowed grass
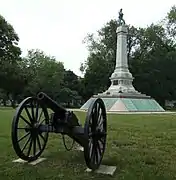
141, 146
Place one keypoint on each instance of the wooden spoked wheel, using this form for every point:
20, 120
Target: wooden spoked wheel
28, 141
95, 130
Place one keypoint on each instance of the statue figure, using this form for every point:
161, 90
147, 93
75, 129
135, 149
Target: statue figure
121, 21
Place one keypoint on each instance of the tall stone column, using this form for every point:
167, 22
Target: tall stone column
121, 78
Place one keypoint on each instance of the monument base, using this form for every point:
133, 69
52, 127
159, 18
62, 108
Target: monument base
126, 103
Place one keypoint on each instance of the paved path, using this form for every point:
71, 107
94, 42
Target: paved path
120, 112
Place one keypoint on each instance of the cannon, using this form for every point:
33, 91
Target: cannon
37, 116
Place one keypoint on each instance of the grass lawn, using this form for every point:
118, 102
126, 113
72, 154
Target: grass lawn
141, 146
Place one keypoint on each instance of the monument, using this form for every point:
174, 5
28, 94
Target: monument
121, 95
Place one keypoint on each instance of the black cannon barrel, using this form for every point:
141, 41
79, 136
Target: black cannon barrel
45, 99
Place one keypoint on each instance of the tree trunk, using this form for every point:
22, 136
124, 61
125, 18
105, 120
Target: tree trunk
4, 102
11, 97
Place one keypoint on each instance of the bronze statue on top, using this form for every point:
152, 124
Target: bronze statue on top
121, 21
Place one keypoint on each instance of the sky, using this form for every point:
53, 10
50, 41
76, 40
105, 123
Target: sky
58, 27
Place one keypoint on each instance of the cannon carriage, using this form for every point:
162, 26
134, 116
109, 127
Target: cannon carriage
32, 124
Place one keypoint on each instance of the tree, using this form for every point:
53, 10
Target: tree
153, 63
10, 75
71, 80
71, 91
170, 22
9, 50
44, 73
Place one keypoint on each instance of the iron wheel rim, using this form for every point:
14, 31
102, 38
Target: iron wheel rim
31, 129
96, 132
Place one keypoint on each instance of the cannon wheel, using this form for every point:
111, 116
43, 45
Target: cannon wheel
95, 130
28, 142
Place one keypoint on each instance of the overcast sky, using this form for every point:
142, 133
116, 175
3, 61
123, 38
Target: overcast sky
58, 26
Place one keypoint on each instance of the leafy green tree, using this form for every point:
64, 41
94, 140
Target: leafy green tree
68, 97
3, 97
9, 50
10, 74
71, 80
44, 73
71, 89
170, 22
153, 63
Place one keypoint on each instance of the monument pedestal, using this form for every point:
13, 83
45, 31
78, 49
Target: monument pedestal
121, 95
127, 103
